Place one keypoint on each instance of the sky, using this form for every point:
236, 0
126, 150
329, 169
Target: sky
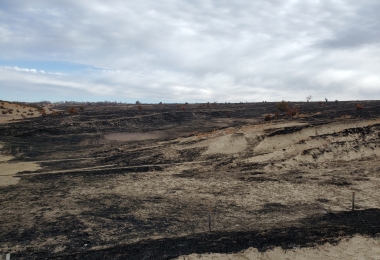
189, 50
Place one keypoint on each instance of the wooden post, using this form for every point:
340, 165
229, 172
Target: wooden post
209, 219
8, 256
353, 201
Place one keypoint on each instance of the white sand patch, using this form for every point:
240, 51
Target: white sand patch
229, 140
320, 149
9, 170
358, 247
228, 144
4, 158
277, 142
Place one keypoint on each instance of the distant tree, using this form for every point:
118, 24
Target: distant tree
308, 98
138, 102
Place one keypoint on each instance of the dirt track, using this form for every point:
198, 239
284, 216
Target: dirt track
127, 183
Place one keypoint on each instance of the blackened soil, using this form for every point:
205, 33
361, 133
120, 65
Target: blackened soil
110, 119
329, 228
143, 195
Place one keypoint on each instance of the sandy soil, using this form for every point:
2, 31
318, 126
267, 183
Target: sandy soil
22, 112
18, 112
96, 191
9, 169
358, 247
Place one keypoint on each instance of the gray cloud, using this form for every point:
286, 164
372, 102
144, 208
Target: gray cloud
358, 26
195, 50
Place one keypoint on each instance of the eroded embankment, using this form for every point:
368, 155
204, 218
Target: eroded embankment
293, 145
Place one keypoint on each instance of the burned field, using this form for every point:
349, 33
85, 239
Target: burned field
129, 182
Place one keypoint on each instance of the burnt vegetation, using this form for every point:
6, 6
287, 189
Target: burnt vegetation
114, 173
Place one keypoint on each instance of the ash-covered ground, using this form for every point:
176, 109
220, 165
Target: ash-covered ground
129, 182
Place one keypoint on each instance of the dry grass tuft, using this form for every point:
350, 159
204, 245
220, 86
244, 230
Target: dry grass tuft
72, 110
268, 117
359, 106
282, 106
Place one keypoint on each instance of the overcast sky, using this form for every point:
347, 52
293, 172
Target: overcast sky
189, 50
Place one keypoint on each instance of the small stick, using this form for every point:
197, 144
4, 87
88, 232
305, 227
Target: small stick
209, 219
353, 201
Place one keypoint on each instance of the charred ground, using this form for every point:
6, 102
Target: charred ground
123, 182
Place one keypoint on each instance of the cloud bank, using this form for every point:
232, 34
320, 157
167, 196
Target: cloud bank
194, 51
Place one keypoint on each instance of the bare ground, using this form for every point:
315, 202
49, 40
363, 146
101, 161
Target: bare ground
122, 183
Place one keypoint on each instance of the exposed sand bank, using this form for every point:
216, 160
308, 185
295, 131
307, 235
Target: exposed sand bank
358, 247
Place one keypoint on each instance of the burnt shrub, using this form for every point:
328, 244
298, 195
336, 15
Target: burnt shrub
292, 111
268, 117
282, 106
72, 110
359, 106
43, 112
56, 113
